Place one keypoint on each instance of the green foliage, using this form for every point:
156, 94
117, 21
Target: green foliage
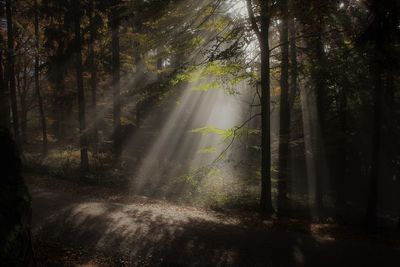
206, 86
214, 130
213, 75
228, 134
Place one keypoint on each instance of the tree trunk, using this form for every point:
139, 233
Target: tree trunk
266, 190
320, 90
4, 107
382, 34
115, 23
81, 94
22, 90
61, 107
340, 199
371, 215
284, 129
294, 70
37, 85
263, 39
11, 73
93, 73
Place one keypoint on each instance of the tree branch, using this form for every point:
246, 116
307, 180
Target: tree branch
253, 20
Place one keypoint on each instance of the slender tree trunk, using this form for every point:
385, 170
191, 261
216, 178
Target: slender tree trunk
320, 90
340, 181
11, 73
24, 116
19, 96
392, 119
115, 23
294, 70
284, 130
263, 38
22, 100
81, 93
61, 107
4, 108
93, 73
382, 34
266, 189
37, 84
371, 215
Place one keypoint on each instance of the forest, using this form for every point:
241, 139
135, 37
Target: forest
200, 133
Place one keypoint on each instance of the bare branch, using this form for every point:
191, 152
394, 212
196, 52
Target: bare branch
252, 19
234, 136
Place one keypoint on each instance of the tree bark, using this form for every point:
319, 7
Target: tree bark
262, 33
340, 199
320, 90
115, 23
266, 188
284, 129
382, 35
93, 73
294, 70
11, 73
37, 84
81, 94
22, 91
371, 215
4, 107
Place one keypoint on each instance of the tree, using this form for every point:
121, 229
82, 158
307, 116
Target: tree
4, 107
15, 207
312, 18
93, 70
81, 93
37, 84
380, 37
319, 80
115, 68
11, 71
59, 46
262, 33
284, 128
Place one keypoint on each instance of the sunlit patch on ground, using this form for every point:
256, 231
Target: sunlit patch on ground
124, 233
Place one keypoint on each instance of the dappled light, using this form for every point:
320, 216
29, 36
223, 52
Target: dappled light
199, 133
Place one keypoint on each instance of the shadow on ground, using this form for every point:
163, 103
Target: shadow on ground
161, 234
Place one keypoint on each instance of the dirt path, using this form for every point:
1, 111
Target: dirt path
100, 229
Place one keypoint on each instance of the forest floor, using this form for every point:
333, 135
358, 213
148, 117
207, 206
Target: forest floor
86, 225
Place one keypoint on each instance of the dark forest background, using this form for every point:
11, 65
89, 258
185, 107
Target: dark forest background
287, 108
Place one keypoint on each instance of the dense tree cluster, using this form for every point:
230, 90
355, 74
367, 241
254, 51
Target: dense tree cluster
88, 73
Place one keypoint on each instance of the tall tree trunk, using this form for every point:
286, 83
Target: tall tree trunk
284, 129
266, 189
37, 84
263, 39
93, 73
24, 107
11, 73
340, 199
60, 106
81, 93
320, 90
376, 69
382, 34
22, 90
294, 70
391, 139
115, 23
4, 107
